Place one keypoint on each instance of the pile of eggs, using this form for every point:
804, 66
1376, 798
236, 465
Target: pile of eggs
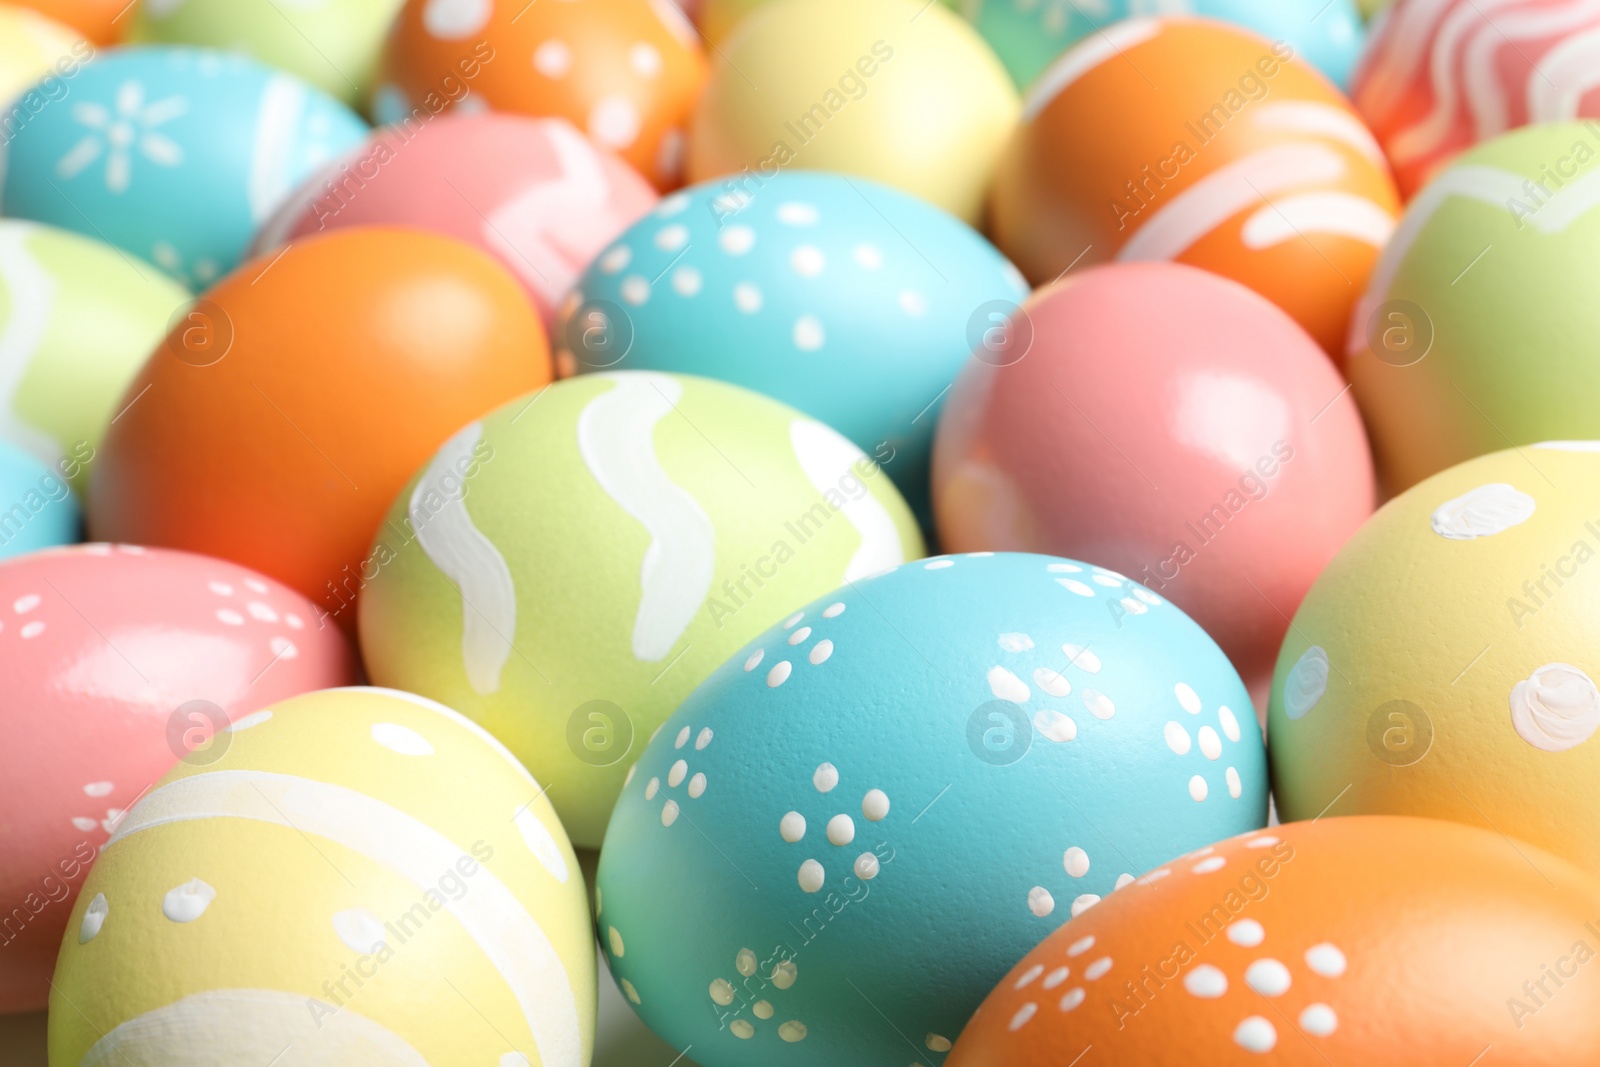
817, 533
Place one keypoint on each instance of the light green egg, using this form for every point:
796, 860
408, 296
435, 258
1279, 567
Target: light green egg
567, 569
1478, 330
77, 319
333, 44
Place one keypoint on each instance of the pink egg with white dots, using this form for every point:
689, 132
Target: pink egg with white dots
115, 662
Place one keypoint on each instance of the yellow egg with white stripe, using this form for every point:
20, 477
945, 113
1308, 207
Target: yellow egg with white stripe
364, 877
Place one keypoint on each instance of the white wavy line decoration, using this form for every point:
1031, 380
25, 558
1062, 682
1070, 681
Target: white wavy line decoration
1227, 191
1083, 57
250, 1026
1410, 36
31, 293
509, 937
1334, 213
616, 437
1486, 95
827, 458
283, 102
1566, 74
468, 558
1320, 120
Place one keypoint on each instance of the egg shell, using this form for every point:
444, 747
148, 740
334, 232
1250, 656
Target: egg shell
332, 44
718, 18
1444, 663
811, 289
533, 193
346, 834
275, 424
1442, 77
626, 72
1482, 266
1028, 35
32, 46
101, 647
1244, 162
101, 20
872, 810
1217, 459
1341, 941
37, 507
851, 85
77, 318
613, 540
173, 154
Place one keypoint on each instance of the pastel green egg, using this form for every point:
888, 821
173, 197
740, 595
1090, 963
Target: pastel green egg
77, 319
359, 875
566, 570
333, 44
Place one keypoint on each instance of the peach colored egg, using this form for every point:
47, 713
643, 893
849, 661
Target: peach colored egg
1210, 451
536, 194
1194, 141
1381, 941
282, 414
626, 72
115, 662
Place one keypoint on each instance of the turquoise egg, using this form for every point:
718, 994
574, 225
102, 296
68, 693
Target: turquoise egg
844, 298
854, 828
174, 154
37, 507
1028, 35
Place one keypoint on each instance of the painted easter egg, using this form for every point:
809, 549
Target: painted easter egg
1491, 258
77, 318
850, 85
535, 194
691, 514
1339, 941
103, 21
825, 758
332, 44
418, 896
626, 72
176, 155
117, 662
1445, 662
1217, 459
1244, 162
718, 18
279, 440
1028, 35
37, 506
32, 47
1442, 77
812, 290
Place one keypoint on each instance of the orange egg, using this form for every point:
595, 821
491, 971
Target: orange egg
102, 21
275, 424
1190, 140
627, 72
1377, 940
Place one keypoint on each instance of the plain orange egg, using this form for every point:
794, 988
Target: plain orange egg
102, 21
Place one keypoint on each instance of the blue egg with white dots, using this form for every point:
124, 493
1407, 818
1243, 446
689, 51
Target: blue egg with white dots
175, 155
851, 301
851, 831
37, 507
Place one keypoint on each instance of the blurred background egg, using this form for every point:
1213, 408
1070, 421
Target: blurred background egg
1028, 35
363, 876
1337, 941
32, 47
332, 44
103, 21
37, 506
1475, 331
1440, 77
117, 662
536, 194
690, 515
1216, 459
899, 91
626, 72
1244, 162
910, 781
851, 301
175, 155
1445, 662
77, 318
277, 439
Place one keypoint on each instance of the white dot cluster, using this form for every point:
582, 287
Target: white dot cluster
839, 830
818, 654
782, 975
1210, 741
679, 774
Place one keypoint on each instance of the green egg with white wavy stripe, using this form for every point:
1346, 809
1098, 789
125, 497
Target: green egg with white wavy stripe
570, 567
